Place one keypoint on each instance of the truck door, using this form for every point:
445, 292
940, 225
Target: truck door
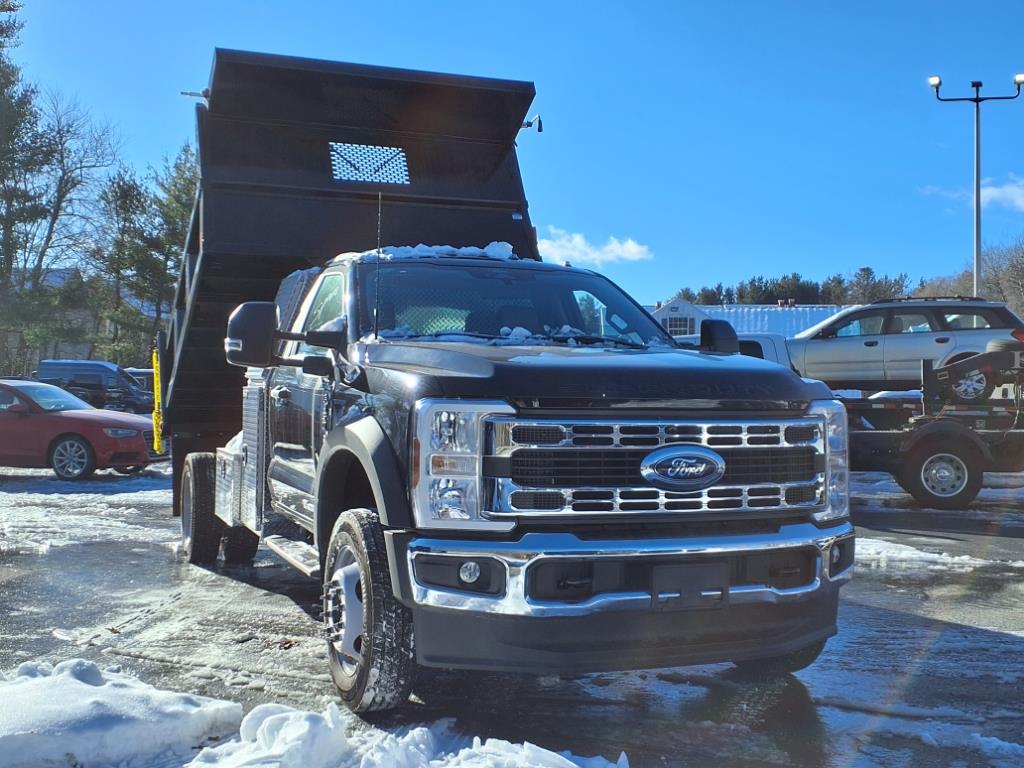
19, 432
295, 408
912, 335
849, 353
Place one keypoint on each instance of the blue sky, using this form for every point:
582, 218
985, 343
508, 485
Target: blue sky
724, 139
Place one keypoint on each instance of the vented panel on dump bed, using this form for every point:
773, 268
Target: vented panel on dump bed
297, 156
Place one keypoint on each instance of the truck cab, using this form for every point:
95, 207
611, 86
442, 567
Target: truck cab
490, 462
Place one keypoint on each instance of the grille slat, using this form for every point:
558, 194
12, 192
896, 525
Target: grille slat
592, 467
568, 467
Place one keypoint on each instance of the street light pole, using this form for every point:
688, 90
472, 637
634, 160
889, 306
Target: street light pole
936, 82
977, 186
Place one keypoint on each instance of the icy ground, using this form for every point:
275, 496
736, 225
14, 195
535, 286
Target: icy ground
926, 669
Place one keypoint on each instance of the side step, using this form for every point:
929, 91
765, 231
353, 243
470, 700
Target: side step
296, 553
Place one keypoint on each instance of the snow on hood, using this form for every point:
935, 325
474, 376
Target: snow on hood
496, 250
77, 714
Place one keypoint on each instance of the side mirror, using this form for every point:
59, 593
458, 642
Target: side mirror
17, 408
719, 336
250, 337
317, 365
827, 333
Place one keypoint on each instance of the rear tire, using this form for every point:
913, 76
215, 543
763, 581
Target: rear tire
240, 545
942, 475
369, 633
779, 666
72, 458
201, 529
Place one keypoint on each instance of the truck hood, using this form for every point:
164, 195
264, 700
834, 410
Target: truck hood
584, 375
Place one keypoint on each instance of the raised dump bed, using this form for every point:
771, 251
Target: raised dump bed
302, 159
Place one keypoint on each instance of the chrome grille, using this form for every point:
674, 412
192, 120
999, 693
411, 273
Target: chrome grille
591, 467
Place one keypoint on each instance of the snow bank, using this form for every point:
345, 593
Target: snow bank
276, 735
879, 553
77, 714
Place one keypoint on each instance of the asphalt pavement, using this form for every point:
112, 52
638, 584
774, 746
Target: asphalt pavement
926, 669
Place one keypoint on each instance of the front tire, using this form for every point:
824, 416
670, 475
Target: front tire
779, 666
942, 475
369, 633
72, 458
201, 529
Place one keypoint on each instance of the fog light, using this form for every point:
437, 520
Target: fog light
836, 555
469, 572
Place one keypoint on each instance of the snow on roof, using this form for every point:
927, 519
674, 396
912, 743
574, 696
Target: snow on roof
767, 318
501, 251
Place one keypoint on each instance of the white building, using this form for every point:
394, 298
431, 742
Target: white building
681, 318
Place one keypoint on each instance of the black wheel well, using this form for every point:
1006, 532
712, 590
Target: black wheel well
344, 485
962, 356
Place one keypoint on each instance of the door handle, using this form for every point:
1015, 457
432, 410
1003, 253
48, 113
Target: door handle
280, 393
942, 340
870, 343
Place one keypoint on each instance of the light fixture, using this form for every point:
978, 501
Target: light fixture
935, 81
469, 571
1018, 79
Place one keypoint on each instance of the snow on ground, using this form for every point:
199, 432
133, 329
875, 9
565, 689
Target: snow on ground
112, 507
75, 714
879, 553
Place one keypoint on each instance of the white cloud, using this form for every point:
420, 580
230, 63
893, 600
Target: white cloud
1009, 195
576, 249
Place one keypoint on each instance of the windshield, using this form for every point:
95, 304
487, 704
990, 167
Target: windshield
125, 379
497, 304
816, 328
51, 398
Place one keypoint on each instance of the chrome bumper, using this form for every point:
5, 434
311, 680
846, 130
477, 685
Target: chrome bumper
517, 556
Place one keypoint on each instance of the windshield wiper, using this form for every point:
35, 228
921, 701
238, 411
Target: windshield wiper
593, 338
437, 334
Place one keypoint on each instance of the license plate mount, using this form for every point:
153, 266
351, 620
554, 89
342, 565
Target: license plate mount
689, 586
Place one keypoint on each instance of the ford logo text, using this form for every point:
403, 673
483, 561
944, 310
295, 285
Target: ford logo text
682, 468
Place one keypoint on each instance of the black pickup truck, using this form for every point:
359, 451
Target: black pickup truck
491, 462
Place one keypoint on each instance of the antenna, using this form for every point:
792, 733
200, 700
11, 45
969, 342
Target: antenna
376, 271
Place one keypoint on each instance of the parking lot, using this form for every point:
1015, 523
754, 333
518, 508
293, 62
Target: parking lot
926, 668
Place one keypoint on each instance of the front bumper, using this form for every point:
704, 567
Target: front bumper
512, 630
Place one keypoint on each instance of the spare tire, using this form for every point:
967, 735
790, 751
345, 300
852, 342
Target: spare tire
1005, 345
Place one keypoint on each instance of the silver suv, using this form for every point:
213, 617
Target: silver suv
881, 345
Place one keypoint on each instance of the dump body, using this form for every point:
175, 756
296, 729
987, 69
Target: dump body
301, 159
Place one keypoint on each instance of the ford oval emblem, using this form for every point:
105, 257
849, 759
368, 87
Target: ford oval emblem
682, 468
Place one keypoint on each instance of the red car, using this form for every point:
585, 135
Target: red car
44, 426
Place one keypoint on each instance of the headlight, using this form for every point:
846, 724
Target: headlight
837, 479
446, 464
117, 432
